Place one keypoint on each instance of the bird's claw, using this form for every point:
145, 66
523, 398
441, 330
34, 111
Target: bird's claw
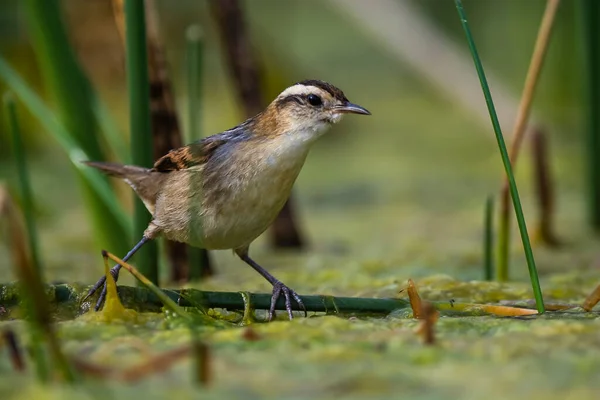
278, 289
101, 283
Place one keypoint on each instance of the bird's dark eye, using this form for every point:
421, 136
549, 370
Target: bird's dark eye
314, 100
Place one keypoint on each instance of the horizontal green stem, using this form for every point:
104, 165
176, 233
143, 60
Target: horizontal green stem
137, 296
142, 298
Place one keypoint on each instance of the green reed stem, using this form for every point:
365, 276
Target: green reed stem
24, 182
591, 15
194, 54
32, 292
66, 296
36, 337
38, 354
537, 291
488, 243
139, 123
131, 296
503, 243
73, 97
194, 57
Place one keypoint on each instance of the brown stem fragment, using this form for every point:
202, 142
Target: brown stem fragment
415, 299
429, 315
203, 363
544, 186
154, 364
158, 363
592, 299
14, 351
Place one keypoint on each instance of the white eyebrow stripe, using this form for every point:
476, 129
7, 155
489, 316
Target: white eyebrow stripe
298, 90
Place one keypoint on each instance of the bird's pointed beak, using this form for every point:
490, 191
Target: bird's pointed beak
351, 108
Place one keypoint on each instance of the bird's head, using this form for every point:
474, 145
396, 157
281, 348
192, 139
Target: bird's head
307, 109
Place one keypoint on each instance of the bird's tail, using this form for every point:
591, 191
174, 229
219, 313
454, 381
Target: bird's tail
118, 170
139, 178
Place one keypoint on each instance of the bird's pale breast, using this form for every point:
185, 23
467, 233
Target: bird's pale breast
229, 204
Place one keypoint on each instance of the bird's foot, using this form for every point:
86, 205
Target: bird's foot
278, 289
114, 271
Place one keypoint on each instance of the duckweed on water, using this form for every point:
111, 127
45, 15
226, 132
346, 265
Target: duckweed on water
363, 355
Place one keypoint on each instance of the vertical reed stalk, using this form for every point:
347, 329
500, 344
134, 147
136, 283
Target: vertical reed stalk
199, 261
33, 294
537, 291
591, 15
17, 242
139, 122
202, 360
544, 187
519, 129
194, 58
24, 183
488, 242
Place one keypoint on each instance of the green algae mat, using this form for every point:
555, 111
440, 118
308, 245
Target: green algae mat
376, 354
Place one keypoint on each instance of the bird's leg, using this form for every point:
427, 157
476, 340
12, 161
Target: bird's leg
114, 271
278, 286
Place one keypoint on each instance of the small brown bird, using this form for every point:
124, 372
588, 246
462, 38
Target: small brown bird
223, 191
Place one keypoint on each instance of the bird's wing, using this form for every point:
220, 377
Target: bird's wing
195, 154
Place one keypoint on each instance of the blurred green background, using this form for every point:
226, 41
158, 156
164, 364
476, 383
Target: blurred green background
405, 187
381, 199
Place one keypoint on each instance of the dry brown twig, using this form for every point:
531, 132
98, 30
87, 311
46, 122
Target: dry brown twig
415, 299
592, 299
424, 311
429, 315
14, 350
544, 185
154, 364
203, 363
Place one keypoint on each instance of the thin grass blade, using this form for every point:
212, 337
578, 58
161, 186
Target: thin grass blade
33, 294
537, 291
47, 118
24, 182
